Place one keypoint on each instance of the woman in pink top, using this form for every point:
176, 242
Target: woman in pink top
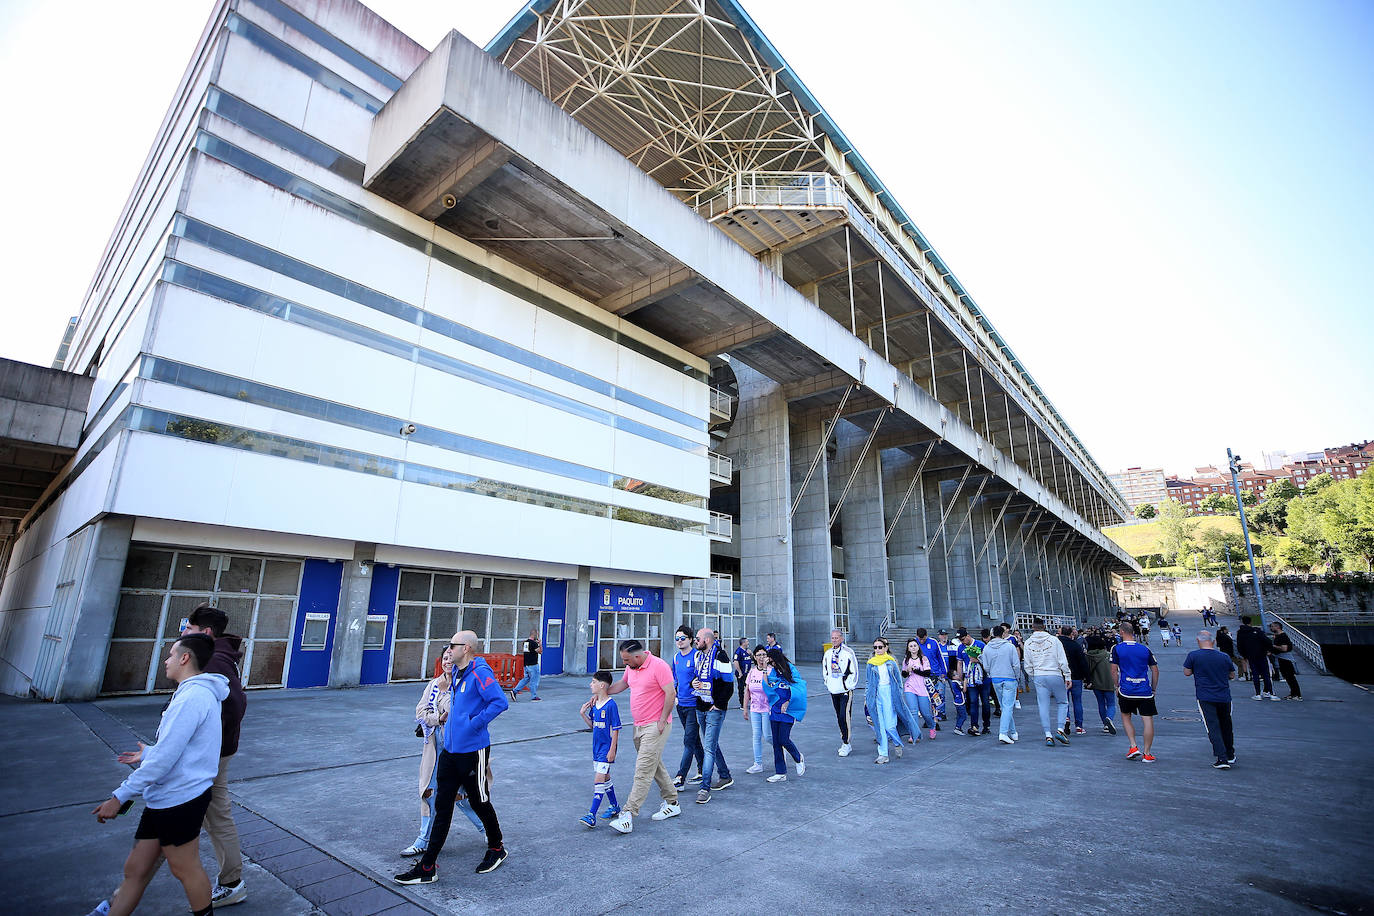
915, 668
756, 712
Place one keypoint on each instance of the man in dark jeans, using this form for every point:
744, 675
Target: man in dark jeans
465, 758
1211, 671
1078, 671
1283, 654
1254, 647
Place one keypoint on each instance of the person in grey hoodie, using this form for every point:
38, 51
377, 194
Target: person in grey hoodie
174, 777
1003, 664
1047, 667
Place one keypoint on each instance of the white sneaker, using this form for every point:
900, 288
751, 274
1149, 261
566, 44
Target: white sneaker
228, 896
756, 768
898, 749
622, 824
101, 909
667, 811
881, 759
845, 750
778, 777
1018, 705
1015, 737
1005, 739
801, 766
1270, 696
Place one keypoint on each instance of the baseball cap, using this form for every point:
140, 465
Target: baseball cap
962, 632
943, 633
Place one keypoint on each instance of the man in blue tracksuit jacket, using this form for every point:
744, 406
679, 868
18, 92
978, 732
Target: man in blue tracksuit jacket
464, 759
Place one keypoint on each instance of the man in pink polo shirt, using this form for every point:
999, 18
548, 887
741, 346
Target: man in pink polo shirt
652, 697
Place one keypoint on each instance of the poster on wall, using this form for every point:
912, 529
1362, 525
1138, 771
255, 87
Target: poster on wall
632, 598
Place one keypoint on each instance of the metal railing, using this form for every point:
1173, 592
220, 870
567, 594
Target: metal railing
721, 402
722, 467
761, 190
1306, 646
721, 526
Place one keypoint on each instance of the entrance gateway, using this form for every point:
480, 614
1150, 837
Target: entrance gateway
622, 612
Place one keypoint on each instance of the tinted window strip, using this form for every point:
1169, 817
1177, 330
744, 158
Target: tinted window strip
297, 60
196, 429
274, 130
331, 42
291, 183
181, 375
202, 281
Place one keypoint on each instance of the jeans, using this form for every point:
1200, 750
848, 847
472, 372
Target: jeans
921, 704
1217, 716
1006, 695
884, 717
782, 741
980, 699
1076, 697
1106, 704
532, 678
1050, 688
691, 740
468, 771
758, 722
711, 721
961, 714
1259, 668
1290, 675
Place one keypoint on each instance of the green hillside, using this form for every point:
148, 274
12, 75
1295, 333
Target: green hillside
1139, 540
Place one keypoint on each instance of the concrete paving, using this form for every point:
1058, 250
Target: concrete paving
326, 784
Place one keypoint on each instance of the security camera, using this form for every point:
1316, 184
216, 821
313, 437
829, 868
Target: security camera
449, 201
408, 429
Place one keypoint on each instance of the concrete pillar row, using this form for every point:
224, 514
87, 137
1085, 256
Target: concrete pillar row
812, 603
862, 528
907, 562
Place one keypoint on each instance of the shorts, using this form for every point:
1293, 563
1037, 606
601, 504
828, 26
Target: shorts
1136, 706
600, 766
174, 826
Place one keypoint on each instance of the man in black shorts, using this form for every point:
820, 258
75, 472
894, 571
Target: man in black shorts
174, 777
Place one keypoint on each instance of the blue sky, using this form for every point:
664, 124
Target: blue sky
1164, 207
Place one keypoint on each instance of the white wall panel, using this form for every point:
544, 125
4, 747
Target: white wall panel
659, 550
257, 77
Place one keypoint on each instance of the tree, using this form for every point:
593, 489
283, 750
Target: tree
1146, 510
1281, 490
1295, 555
1318, 483
1269, 517
1248, 498
1220, 503
1214, 542
1342, 525
1176, 531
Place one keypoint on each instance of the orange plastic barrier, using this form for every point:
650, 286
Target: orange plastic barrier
509, 669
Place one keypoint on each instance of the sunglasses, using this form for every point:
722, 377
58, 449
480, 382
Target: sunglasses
878, 645
456, 645
680, 638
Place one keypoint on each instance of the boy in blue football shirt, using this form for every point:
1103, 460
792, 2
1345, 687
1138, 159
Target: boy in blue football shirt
603, 717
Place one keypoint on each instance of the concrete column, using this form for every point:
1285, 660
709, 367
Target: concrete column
350, 623
759, 443
861, 521
957, 542
906, 551
88, 643
809, 626
578, 633
937, 564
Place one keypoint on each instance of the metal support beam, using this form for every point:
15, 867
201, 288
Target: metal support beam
906, 498
944, 514
968, 516
820, 452
858, 463
993, 530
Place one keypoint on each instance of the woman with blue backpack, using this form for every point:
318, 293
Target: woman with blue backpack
786, 692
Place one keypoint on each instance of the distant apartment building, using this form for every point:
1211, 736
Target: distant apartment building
1344, 462
1139, 486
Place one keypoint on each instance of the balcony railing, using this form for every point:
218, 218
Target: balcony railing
721, 527
761, 190
722, 467
722, 403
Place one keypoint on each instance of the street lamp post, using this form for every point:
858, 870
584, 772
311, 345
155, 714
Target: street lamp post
1233, 463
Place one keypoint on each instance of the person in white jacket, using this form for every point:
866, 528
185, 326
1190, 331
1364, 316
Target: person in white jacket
174, 777
1047, 667
840, 670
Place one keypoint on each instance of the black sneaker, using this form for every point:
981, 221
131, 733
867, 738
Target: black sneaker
1111, 729
1221, 765
418, 874
491, 860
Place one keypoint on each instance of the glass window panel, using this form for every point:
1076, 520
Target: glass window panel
407, 660
477, 590
443, 623
240, 574
433, 652
282, 577
137, 617
656, 647
162, 682
532, 593
147, 568
475, 619
315, 633
410, 621
275, 616
268, 664
127, 667
448, 589
530, 619
505, 591
179, 608
374, 637
414, 586
240, 611
607, 658
503, 623
501, 647
193, 573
